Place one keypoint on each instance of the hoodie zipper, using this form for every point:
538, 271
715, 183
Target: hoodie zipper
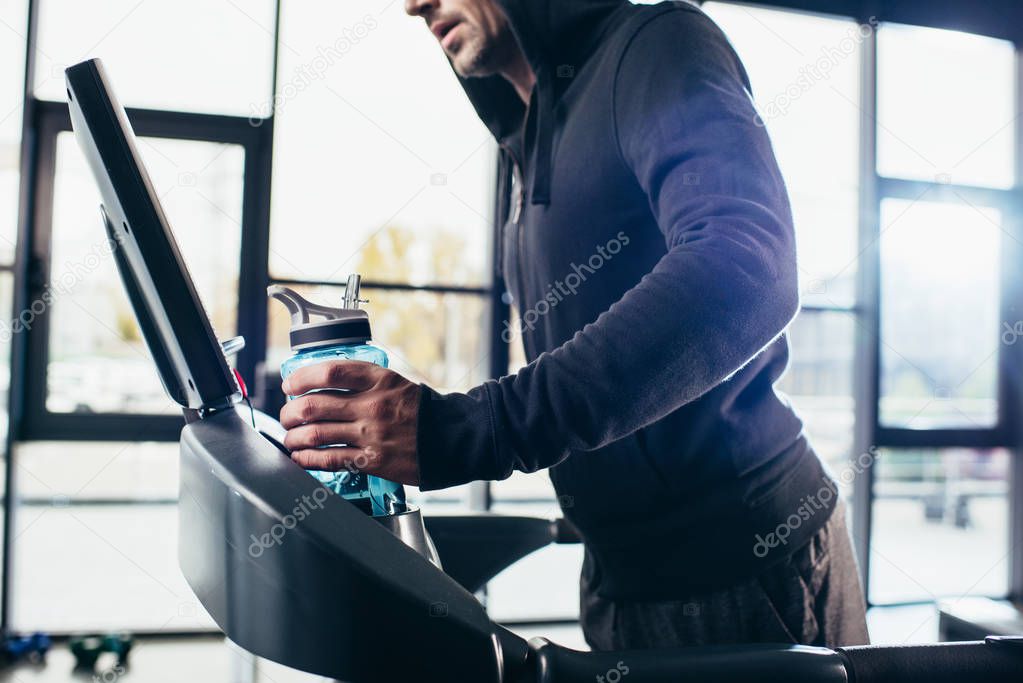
519, 200
520, 190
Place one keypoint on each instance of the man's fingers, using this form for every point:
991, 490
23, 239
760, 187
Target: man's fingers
354, 375
318, 434
318, 407
333, 459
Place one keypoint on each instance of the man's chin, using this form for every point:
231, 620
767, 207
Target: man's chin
470, 63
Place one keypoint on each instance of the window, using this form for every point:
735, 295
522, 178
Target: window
96, 539
13, 23
946, 109
953, 504
88, 371
88, 375
97, 360
518, 593
378, 154
209, 56
819, 382
13, 44
804, 69
946, 153
939, 314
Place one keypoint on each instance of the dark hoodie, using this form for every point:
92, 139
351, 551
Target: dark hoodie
649, 248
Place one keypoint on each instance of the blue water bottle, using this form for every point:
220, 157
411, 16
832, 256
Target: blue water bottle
341, 333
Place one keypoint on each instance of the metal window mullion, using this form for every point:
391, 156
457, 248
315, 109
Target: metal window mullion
481, 495
254, 254
866, 363
905, 438
1013, 391
15, 393
931, 191
47, 124
175, 125
811, 308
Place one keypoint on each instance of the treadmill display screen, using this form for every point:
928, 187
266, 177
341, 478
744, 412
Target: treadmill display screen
188, 356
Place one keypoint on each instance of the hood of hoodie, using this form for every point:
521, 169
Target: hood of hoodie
557, 37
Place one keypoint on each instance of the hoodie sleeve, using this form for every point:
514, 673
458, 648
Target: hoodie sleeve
727, 286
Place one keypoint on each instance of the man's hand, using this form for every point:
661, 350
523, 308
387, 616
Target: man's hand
374, 418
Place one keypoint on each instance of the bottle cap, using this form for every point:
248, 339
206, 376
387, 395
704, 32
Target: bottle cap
345, 325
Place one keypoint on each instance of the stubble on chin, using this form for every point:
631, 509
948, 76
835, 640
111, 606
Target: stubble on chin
474, 59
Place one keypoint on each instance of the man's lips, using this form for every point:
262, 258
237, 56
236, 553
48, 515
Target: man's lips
444, 31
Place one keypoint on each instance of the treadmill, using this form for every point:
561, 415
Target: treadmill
348, 596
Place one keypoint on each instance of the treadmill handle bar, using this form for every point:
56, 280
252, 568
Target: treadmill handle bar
995, 660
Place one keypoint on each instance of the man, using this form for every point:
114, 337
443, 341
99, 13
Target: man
649, 247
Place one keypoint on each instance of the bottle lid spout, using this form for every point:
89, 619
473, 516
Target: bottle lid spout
299, 307
351, 298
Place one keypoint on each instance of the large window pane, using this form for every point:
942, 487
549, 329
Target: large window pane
804, 70
819, 383
940, 525
430, 337
545, 585
210, 56
96, 539
450, 501
946, 106
97, 358
939, 314
516, 350
374, 135
13, 20
517, 593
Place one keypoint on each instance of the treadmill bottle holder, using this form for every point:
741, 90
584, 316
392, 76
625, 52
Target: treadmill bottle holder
335, 594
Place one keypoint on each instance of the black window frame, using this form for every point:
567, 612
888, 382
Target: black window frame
49, 121
42, 123
871, 432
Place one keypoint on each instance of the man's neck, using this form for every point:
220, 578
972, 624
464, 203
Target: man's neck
520, 75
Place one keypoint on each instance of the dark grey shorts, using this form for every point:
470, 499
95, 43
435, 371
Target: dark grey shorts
812, 598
